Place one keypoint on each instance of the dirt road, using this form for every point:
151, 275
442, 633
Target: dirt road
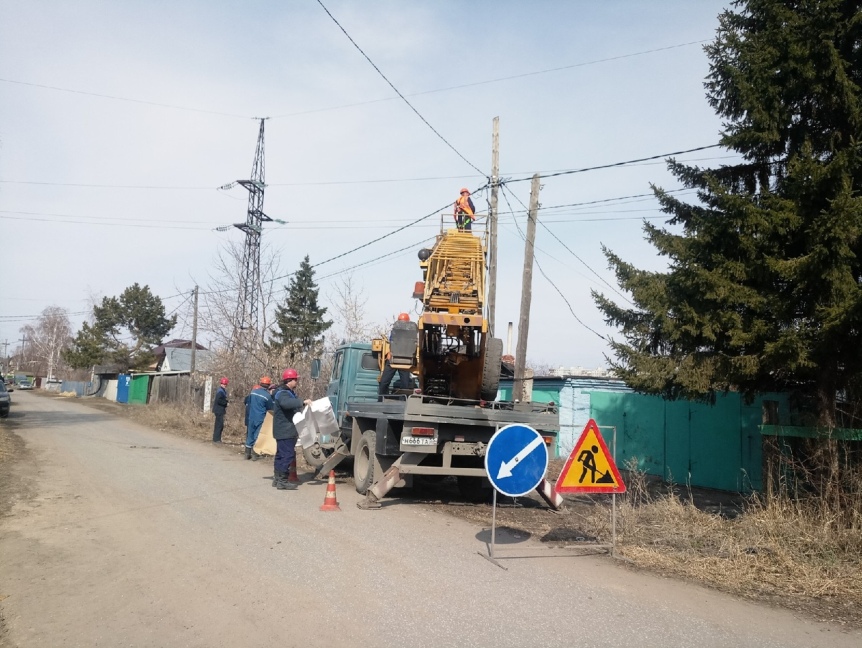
119, 535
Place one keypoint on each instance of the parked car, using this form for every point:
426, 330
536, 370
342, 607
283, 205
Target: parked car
10, 385
25, 384
5, 401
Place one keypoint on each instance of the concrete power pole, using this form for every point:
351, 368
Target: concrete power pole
492, 226
526, 292
194, 335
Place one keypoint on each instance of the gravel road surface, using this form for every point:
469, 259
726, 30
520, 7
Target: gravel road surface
120, 535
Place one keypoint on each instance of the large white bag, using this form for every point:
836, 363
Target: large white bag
316, 423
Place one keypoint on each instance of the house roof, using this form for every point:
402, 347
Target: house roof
177, 343
181, 359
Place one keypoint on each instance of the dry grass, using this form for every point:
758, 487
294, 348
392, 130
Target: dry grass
797, 553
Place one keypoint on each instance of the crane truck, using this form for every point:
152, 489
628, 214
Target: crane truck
443, 426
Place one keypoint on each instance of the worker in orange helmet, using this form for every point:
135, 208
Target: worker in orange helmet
259, 403
405, 379
465, 212
287, 405
219, 409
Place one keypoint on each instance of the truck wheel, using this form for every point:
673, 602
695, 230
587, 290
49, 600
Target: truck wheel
315, 456
473, 489
363, 462
491, 368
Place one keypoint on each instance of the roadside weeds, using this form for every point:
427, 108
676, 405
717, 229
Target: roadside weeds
778, 550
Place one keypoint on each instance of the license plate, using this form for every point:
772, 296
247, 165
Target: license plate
411, 440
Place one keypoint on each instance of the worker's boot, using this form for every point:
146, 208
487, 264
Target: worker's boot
283, 484
275, 478
254, 455
247, 452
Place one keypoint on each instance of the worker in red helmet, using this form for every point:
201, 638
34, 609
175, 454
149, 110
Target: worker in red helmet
259, 402
465, 212
219, 409
287, 404
405, 378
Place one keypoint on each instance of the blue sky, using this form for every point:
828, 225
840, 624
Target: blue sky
575, 84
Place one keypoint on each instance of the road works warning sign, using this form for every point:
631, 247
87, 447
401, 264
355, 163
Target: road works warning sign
590, 468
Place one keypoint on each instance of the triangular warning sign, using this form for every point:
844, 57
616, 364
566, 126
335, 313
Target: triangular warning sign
590, 468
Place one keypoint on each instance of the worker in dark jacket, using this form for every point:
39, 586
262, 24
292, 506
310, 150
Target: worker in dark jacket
259, 403
219, 409
287, 404
465, 212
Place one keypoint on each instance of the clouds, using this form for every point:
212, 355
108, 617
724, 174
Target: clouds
290, 61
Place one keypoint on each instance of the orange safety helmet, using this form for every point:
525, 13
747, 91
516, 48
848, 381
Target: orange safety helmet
464, 190
290, 374
403, 317
223, 381
266, 381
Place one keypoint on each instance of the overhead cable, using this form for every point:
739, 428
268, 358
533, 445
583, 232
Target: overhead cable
139, 101
398, 92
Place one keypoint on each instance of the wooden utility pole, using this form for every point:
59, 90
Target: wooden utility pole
492, 226
526, 292
194, 336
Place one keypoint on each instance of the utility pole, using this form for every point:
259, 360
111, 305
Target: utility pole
492, 226
22, 359
194, 336
526, 292
250, 289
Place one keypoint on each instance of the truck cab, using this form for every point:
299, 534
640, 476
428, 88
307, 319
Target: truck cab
354, 378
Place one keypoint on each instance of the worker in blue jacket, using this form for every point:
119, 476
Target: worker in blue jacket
259, 403
287, 404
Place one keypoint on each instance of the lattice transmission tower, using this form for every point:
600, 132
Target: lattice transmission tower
250, 287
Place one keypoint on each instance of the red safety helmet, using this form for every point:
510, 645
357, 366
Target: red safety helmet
464, 190
223, 381
403, 317
290, 374
266, 381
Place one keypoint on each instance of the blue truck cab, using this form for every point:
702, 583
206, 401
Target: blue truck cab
403, 434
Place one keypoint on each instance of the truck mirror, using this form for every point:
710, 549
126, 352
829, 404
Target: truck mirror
315, 369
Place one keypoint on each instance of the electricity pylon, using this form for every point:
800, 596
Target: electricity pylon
250, 287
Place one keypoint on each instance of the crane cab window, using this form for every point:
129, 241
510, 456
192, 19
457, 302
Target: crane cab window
369, 362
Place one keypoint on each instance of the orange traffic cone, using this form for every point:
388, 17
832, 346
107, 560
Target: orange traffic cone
292, 477
329, 502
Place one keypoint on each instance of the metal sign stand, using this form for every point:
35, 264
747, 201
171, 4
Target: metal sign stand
490, 557
614, 502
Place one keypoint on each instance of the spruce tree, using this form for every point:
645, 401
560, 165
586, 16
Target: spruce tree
299, 321
763, 286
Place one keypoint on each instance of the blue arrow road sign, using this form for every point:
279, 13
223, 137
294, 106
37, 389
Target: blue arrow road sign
516, 460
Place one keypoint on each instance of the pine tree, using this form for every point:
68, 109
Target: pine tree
300, 322
763, 286
136, 313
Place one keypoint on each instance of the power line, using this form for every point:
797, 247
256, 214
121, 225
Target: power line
538, 265
116, 98
489, 81
614, 164
398, 92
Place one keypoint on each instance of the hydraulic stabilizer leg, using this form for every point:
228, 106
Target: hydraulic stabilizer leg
379, 490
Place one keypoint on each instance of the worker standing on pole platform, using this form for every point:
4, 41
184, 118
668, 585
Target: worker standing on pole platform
259, 403
465, 212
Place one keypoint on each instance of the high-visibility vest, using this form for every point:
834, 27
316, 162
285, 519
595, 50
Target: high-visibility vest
462, 205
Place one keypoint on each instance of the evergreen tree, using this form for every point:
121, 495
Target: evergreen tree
137, 313
763, 286
299, 322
